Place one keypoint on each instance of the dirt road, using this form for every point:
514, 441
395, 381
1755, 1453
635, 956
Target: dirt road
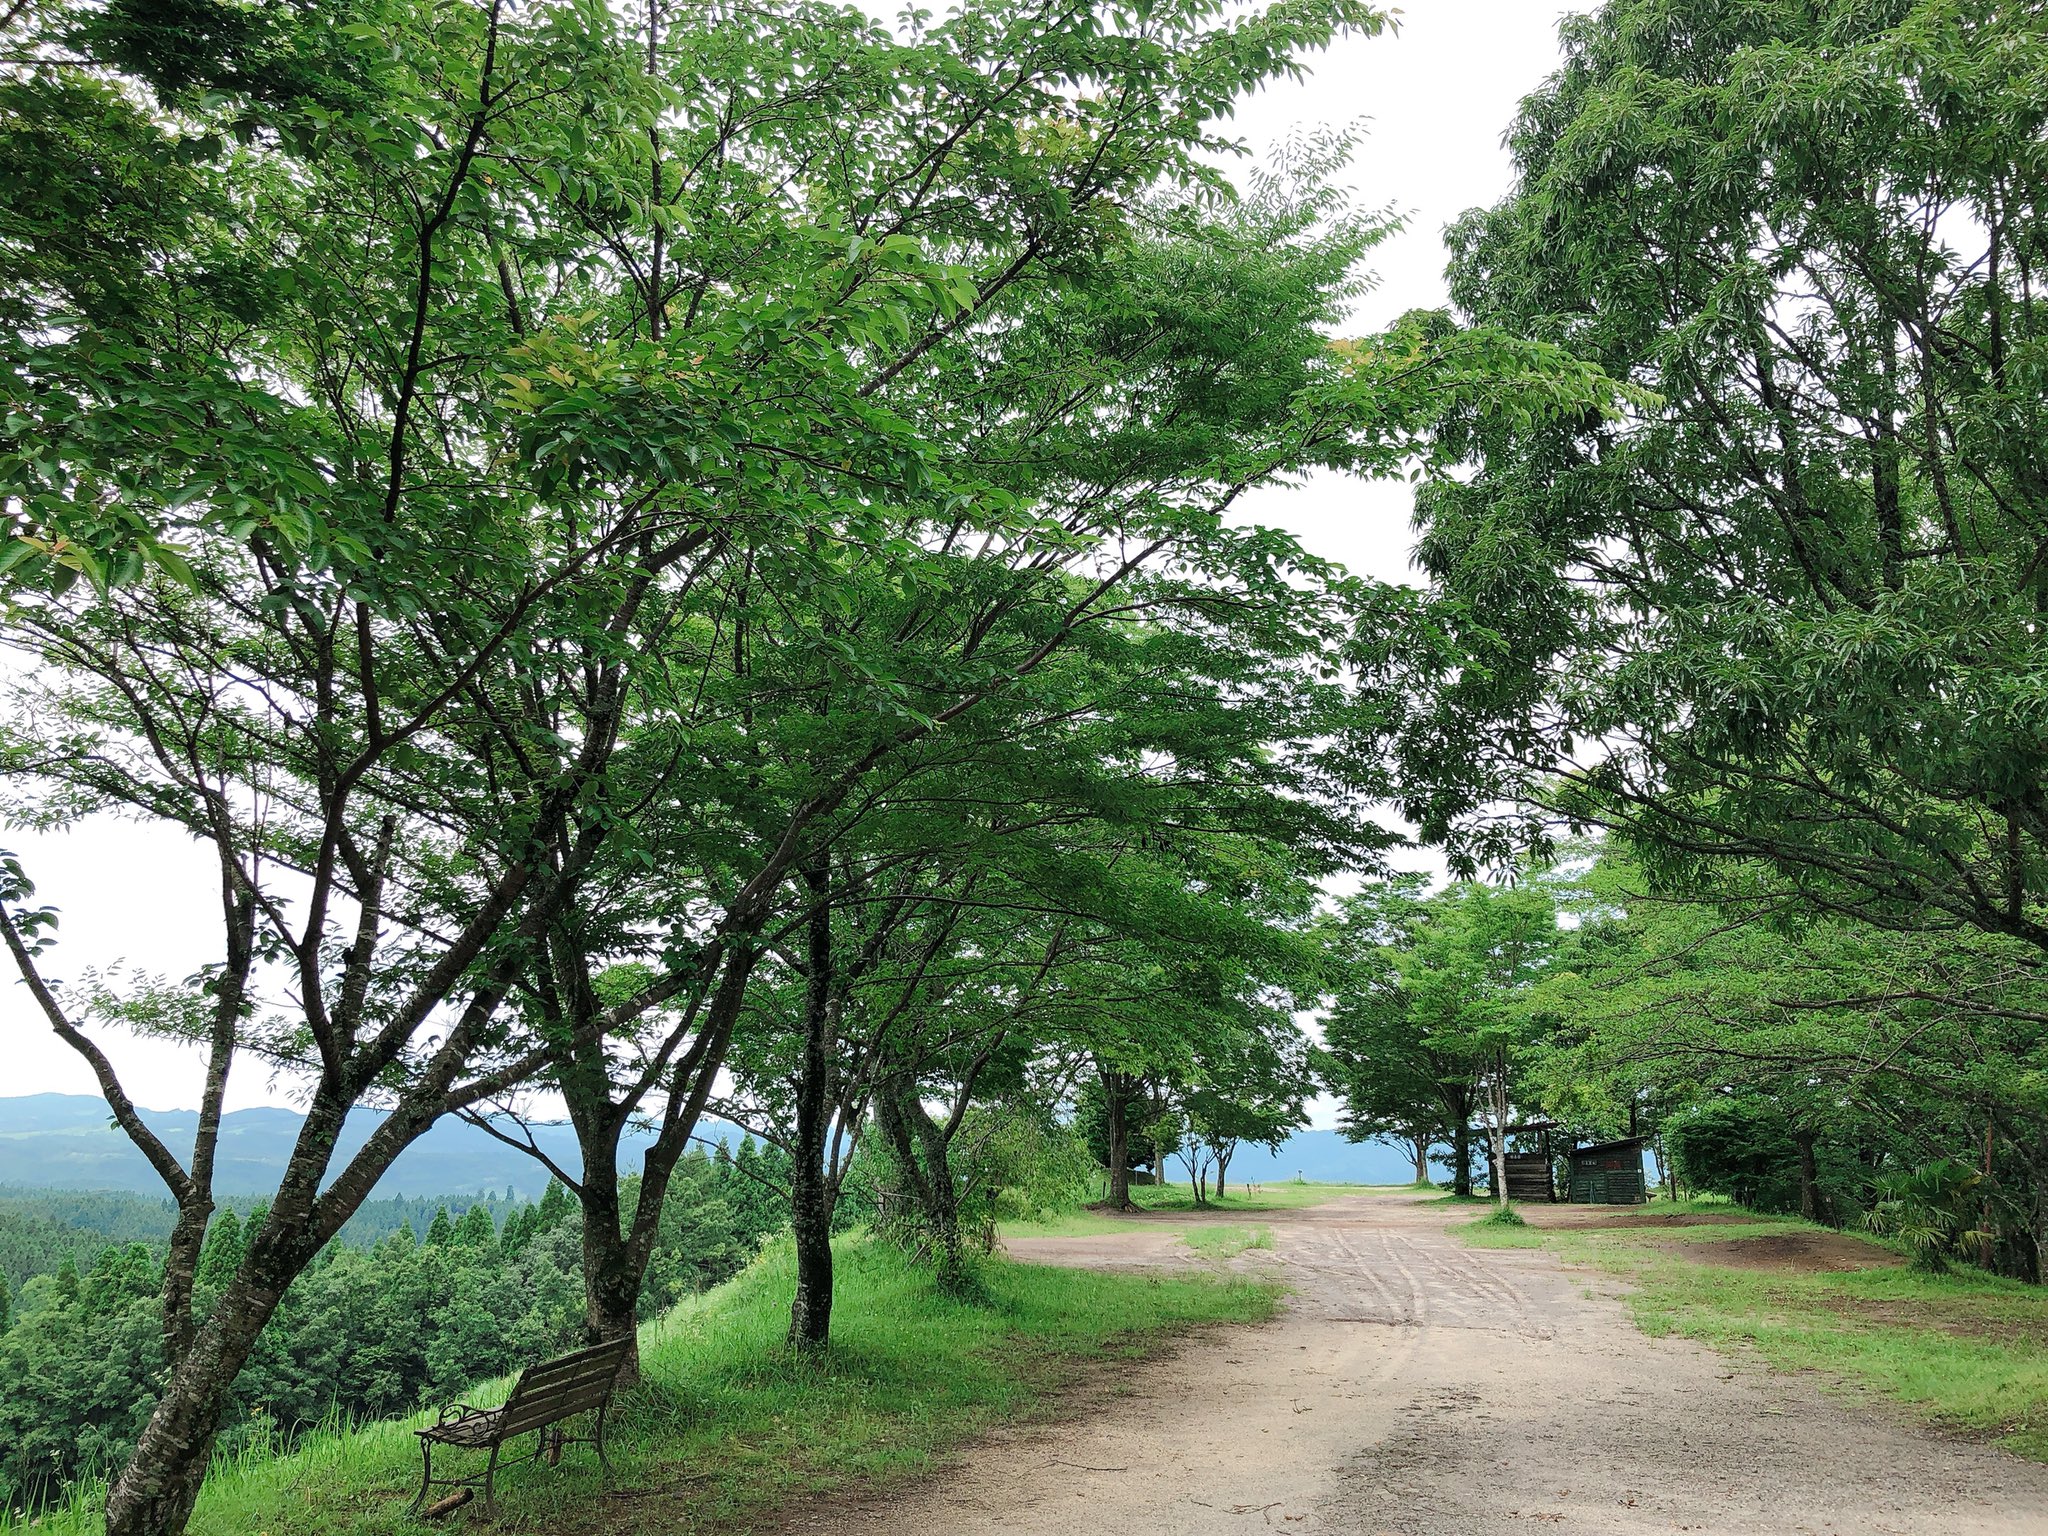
1415, 1387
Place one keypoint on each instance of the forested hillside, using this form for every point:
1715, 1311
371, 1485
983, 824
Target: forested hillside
40, 1229
396, 1314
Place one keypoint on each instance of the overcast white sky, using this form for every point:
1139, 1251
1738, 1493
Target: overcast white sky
1436, 98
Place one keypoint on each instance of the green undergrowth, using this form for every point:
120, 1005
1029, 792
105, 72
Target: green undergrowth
726, 1425
1219, 1242
1966, 1350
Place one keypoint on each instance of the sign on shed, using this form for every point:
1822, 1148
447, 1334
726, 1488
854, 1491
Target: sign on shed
1608, 1174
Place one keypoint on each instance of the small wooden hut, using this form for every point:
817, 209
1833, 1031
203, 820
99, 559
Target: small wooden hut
1610, 1173
1529, 1173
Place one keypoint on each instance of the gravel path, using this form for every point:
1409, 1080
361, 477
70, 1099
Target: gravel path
1415, 1387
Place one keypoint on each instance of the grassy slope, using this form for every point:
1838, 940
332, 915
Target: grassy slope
725, 1426
1966, 1350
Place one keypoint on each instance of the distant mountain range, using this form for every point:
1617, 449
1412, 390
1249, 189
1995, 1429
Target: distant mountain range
68, 1141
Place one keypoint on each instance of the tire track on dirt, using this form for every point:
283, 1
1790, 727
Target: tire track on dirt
1471, 1271
1419, 1298
1350, 1265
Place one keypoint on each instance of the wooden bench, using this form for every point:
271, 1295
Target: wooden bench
544, 1397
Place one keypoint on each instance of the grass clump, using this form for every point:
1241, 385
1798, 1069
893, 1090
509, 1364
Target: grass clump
726, 1424
1501, 1216
1219, 1242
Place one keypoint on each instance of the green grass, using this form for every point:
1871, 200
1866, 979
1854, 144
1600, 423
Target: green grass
726, 1426
1967, 1350
1220, 1242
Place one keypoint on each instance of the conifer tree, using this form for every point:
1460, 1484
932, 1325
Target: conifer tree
475, 1230
221, 1254
555, 1208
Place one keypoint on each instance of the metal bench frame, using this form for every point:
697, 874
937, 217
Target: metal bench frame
543, 1399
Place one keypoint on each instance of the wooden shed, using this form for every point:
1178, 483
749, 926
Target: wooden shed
1610, 1173
1530, 1175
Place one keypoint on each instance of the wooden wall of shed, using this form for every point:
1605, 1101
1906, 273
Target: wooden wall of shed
1529, 1177
1600, 1177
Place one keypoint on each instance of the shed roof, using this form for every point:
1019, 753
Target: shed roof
1609, 1146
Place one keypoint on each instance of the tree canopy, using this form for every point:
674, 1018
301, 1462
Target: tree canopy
1784, 612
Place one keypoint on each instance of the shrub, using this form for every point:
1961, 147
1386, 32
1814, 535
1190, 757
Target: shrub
1931, 1209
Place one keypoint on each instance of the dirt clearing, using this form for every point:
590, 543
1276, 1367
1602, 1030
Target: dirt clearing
1790, 1253
1414, 1387
1607, 1218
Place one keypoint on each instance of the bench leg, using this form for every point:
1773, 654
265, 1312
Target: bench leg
426, 1475
490, 1483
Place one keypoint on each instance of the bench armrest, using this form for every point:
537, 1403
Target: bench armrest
456, 1413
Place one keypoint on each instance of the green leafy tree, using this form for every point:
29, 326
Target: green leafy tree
1394, 1077
1107, 1128
1254, 1092
1738, 1147
276, 442
83, 1356
554, 1209
518, 1230
1793, 1058
1472, 976
221, 1254
1786, 616
1442, 989
862, 613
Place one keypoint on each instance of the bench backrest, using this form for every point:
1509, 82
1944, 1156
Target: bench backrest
545, 1394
